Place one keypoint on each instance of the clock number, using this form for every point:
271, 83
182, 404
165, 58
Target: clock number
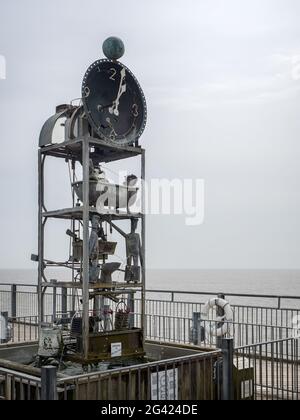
87, 92
114, 72
135, 110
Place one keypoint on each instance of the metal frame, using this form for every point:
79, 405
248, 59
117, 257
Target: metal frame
79, 150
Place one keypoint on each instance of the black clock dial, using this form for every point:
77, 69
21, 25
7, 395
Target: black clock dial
114, 102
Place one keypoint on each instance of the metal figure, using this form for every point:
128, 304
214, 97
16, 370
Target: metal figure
134, 253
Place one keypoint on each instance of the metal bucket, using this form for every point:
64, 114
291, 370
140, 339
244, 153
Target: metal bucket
114, 196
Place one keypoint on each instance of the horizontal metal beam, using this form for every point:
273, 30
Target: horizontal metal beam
77, 213
243, 295
182, 292
104, 152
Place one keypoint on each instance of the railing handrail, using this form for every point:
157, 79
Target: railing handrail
185, 292
18, 285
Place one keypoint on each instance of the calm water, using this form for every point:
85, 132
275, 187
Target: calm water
275, 282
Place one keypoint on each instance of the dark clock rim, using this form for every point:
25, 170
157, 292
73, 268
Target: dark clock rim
122, 142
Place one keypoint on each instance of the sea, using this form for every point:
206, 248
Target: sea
265, 282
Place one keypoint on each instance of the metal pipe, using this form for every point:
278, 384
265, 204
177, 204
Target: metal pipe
227, 350
143, 309
85, 273
14, 301
40, 238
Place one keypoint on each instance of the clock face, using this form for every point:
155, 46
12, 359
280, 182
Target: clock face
114, 102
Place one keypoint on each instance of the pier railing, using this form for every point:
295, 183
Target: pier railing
173, 330
268, 370
254, 372
21, 300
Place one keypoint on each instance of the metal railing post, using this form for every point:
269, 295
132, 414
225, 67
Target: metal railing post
54, 301
49, 383
14, 301
64, 302
196, 333
227, 385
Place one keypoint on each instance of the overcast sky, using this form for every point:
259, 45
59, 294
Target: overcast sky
223, 91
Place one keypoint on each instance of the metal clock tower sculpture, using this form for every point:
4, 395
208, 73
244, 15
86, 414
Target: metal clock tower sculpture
114, 102
99, 317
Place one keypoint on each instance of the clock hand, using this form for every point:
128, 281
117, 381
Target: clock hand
114, 109
117, 102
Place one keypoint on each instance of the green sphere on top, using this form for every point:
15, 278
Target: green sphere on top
113, 48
